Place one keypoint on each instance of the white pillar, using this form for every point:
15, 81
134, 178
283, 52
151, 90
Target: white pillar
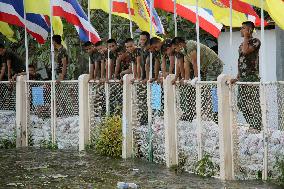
21, 113
225, 128
199, 119
84, 124
127, 134
170, 121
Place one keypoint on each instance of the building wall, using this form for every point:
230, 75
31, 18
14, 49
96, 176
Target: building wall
280, 54
230, 55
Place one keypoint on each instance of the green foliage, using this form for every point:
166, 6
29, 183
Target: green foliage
107, 137
47, 144
8, 143
205, 167
280, 169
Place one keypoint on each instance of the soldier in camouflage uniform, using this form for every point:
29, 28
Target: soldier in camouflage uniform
62, 58
210, 67
248, 71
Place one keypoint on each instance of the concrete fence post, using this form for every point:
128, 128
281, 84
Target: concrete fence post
199, 120
170, 122
225, 128
127, 144
84, 125
21, 112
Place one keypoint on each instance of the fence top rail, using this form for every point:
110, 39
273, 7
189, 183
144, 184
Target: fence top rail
7, 82
50, 81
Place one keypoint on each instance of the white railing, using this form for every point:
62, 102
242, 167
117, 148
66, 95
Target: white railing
239, 126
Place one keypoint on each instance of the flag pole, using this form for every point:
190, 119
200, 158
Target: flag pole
130, 21
231, 33
89, 19
262, 55
198, 41
175, 16
51, 44
175, 20
151, 30
26, 42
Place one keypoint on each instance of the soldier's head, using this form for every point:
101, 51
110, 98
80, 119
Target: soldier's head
56, 41
101, 47
156, 43
178, 44
129, 45
144, 38
111, 45
32, 70
2, 49
247, 26
167, 47
88, 47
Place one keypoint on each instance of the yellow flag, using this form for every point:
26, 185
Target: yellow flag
38, 6
138, 8
220, 12
275, 8
7, 31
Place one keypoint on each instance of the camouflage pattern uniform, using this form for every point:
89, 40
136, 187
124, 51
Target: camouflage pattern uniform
210, 64
249, 72
210, 68
62, 53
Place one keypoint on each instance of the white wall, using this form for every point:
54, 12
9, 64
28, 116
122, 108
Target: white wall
230, 56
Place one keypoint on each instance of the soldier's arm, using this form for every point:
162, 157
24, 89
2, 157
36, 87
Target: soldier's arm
64, 68
103, 69
2, 72
187, 70
9, 66
172, 64
91, 74
96, 69
157, 68
138, 60
193, 59
163, 66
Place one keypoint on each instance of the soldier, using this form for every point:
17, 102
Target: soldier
12, 64
210, 64
94, 54
115, 52
210, 67
144, 40
101, 60
62, 58
248, 71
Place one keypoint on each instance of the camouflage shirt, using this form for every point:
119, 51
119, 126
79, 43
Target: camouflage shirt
94, 56
210, 64
249, 63
17, 63
134, 55
62, 53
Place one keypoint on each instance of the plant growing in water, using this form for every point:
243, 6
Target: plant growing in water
279, 166
8, 143
107, 137
205, 167
47, 144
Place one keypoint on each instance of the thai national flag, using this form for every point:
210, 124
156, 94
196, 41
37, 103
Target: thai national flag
12, 12
74, 14
206, 19
159, 28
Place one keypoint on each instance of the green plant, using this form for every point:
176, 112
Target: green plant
8, 142
109, 137
205, 167
279, 166
47, 144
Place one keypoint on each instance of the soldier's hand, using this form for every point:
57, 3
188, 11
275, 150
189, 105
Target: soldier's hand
233, 81
194, 81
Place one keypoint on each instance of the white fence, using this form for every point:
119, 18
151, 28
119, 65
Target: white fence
240, 126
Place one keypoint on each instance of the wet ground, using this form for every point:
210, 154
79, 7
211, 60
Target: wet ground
41, 168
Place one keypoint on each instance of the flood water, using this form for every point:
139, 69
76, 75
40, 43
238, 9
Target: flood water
42, 168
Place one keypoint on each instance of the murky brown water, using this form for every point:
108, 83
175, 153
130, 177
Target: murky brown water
41, 168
